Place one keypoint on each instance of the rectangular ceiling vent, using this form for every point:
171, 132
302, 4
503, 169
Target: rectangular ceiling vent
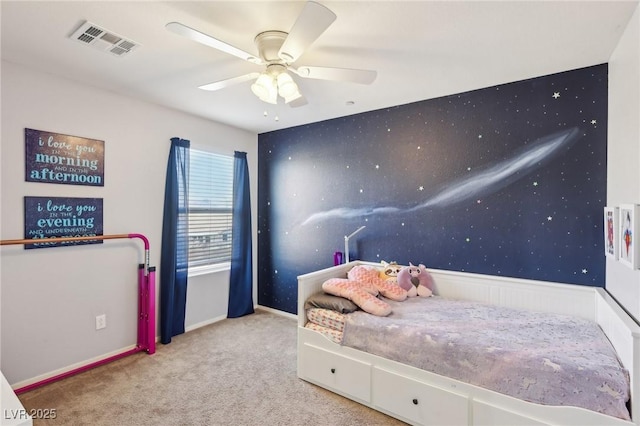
101, 39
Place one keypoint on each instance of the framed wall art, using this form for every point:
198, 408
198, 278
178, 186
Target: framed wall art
55, 217
611, 230
628, 227
57, 158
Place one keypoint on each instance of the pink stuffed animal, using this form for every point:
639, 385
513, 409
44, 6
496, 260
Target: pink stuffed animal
362, 285
370, 276
357, 293
416, 280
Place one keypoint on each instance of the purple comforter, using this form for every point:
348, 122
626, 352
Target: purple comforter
538, 357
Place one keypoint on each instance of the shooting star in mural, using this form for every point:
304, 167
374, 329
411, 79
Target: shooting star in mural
485, 182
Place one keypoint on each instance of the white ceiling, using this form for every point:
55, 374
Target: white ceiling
420, 49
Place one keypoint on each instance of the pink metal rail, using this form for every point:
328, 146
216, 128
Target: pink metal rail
146, 306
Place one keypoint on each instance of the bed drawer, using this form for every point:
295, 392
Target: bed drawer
336, 372
488, 414
414, 400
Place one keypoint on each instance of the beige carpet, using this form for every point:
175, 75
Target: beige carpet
235, 372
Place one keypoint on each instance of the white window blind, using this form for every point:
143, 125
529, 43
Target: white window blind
210, 203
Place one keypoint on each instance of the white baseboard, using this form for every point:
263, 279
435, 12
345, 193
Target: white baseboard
277, 312
204, 323
69, 368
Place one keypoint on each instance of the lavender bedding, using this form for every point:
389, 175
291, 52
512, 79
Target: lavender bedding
537, 357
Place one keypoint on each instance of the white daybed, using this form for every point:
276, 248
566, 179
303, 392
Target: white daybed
420, 397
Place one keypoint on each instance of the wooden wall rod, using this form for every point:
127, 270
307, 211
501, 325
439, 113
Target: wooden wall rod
64, 239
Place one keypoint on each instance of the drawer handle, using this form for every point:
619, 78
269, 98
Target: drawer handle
333, 371
415, 401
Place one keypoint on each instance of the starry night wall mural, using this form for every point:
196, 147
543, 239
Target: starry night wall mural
508, 180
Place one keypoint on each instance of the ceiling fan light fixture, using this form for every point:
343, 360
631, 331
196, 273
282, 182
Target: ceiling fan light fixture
287, 88
265, 89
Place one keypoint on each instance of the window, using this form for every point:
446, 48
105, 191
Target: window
210, 203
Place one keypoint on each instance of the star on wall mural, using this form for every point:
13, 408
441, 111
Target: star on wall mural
508, 180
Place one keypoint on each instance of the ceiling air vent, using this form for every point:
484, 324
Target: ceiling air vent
101, 39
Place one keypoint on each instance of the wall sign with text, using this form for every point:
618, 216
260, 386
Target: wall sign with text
55, 217
56, 158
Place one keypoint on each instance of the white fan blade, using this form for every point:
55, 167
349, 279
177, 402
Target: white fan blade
229, 82
337, 74
313, 21
207, 40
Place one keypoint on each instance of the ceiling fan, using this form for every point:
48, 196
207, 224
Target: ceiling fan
277, 51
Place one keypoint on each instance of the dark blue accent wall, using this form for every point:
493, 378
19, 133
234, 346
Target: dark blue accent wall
508, 180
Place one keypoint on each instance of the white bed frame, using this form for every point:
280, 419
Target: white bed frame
423, 398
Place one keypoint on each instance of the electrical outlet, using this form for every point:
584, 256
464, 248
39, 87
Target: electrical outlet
101, 321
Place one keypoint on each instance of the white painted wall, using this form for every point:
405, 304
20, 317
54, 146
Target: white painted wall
50, 297
623, 163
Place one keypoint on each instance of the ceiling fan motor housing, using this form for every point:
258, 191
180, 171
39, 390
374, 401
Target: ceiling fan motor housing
269, 44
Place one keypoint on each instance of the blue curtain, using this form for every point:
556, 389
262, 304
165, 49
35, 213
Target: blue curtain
241, 280
175, 242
